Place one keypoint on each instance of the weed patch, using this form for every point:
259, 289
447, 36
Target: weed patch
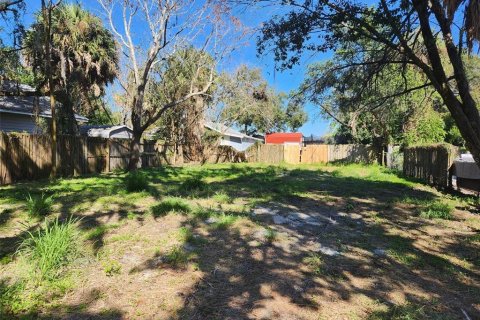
38, 206
315, 263
437, 210
222, 197
175, 205
224, 221
270, 235
177, 256
112, 268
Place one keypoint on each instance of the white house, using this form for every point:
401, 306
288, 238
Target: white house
106, 131
230, 137
19, 108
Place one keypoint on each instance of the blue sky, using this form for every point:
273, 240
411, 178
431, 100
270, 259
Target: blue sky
281, 81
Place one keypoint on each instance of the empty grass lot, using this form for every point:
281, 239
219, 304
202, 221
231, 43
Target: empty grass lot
245, 241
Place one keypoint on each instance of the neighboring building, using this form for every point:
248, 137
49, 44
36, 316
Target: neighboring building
105, 131
19, 109
284, 138
230, 137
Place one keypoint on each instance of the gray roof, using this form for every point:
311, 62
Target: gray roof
228, 131
15, 87
102, 131
26, 104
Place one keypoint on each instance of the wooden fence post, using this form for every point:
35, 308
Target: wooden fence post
107, 157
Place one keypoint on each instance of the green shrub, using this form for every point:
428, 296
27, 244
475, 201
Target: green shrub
437, 210
39, 205
193, 184
112, 268
52, 247
177, 205
136, 181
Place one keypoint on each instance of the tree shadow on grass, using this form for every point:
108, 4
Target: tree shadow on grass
247, 278
62, 311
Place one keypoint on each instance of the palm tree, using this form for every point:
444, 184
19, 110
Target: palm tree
84, 59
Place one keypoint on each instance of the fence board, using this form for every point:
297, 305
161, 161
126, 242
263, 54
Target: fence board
315, 154
28, 157
430, 163
292, 153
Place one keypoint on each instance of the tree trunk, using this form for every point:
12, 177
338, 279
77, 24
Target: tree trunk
137, 127
464, 110
134, 152
68, 122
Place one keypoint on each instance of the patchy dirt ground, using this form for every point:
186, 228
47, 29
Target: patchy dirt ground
255, 242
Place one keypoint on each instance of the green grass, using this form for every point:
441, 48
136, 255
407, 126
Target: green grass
474, 238
224, 221
408, 311
136, 181
270, 235
192, 184
51, 248
38, 206
222, 197
315, 263
112, 268
186, 235
177, 256
99, 231
437, 210
168, 205
203, 213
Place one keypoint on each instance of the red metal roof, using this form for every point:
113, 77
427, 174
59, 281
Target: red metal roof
280, 138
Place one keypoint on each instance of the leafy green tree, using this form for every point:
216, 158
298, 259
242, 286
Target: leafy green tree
248, 102
84, 59
181, 125
404, 33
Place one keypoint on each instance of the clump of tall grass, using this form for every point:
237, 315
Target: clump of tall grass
224, 221
38, 206
437, 210
177, 205
222, 197
51, 248
136, 181
177, 256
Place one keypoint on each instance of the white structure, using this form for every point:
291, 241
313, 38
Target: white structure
230, 137
105, 131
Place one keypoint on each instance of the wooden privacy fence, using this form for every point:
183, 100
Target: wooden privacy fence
430, 163
290, 153
28, 157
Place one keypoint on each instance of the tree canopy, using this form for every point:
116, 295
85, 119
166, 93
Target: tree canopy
248, 102
403, 33
84, 59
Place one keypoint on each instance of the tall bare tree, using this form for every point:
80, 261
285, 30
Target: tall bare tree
149, 31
